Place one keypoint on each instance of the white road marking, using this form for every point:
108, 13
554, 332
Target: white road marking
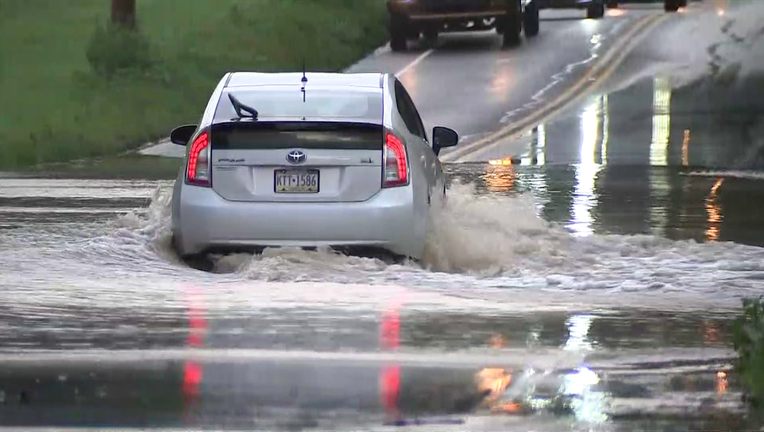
414, 63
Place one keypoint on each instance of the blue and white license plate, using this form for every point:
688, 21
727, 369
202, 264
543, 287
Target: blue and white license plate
296, 181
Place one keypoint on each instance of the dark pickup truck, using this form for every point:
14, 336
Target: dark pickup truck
410, 19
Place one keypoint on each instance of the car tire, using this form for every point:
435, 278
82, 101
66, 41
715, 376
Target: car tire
512, 26
673, 5
531, 20
430, 35
595, 11
398, 33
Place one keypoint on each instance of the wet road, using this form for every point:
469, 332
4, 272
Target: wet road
469, 83
583, 275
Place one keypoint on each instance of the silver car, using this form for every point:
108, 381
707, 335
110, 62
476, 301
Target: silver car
307, 160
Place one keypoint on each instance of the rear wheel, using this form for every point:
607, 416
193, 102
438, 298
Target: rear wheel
430, 35
531, 19
595, 11
398, 32
673, 5
512, 25
197, 261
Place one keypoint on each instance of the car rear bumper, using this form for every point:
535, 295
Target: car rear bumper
205, 221
456, 15
565, 4
449, 10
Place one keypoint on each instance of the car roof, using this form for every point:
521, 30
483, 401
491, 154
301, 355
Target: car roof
249, 79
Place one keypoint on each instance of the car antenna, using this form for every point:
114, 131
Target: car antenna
241, 109
304, 80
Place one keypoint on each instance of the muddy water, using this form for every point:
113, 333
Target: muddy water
598, 309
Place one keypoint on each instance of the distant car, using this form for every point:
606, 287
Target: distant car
408, 19
336, 160
594, 8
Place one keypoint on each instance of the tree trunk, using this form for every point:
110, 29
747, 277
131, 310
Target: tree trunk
123, 13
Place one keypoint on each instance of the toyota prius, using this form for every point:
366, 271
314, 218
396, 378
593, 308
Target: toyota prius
307, 160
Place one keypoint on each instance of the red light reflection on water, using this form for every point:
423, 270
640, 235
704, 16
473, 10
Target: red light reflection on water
193, 372
192, 378
389, 388
390, 375
390, 330
197, 322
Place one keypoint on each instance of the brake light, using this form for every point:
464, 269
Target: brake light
198, 169
396, 170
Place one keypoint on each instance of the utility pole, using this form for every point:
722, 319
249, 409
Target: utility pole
123, 13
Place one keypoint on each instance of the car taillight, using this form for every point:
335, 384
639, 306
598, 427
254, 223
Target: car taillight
396, 170
198, 169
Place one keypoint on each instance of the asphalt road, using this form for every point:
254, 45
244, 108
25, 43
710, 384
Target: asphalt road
584, 274
469, 83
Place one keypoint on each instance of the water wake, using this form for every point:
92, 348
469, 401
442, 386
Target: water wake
493, 241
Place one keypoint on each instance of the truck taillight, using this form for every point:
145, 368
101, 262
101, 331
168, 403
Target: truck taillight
396, 167
198, 168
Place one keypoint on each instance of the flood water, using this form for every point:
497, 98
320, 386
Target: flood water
547, 299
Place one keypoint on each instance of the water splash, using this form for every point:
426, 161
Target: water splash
475, 235
491, 234
477, 242
152, 228
741, 174
297, 265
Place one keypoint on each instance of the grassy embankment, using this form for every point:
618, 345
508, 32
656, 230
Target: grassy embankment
749, 343
56, 105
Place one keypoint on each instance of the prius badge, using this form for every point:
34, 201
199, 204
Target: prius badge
296, 157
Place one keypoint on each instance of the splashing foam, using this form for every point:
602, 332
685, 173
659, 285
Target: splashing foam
152, 229
473, 234
489, 235
297, 265
487, 241
477, 235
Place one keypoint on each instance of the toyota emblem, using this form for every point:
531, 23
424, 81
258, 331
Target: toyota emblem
296, 157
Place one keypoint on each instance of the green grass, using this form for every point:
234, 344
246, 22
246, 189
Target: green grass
54, 108
749, 343
122, 167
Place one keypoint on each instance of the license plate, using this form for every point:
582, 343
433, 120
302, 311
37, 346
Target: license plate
295, 181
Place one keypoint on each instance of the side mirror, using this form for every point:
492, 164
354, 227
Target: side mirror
182, 134
443, 137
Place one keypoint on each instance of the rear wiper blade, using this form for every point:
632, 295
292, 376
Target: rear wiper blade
243, 111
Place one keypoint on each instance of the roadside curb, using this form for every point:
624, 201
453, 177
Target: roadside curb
151, 144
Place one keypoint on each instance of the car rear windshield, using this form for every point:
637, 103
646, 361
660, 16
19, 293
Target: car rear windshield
323, 103
286, 135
